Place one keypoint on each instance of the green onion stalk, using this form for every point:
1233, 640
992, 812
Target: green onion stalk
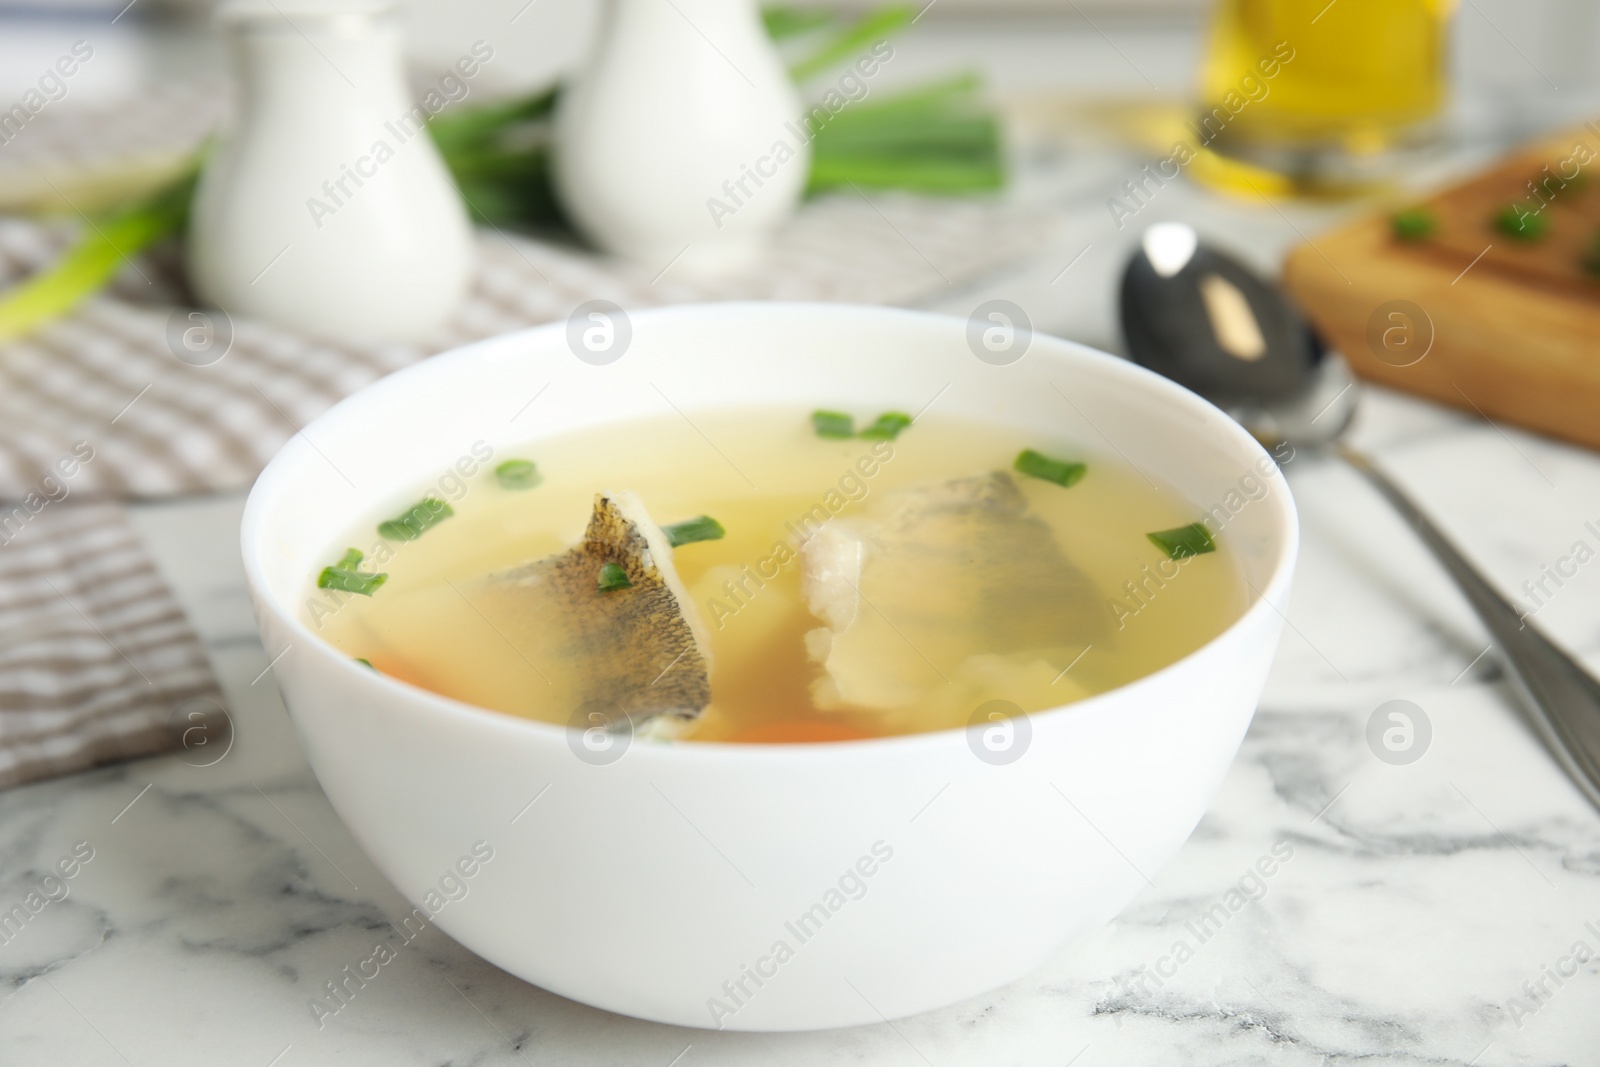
941, 139
96, 256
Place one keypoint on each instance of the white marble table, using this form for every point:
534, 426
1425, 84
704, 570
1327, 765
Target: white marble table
1427, 913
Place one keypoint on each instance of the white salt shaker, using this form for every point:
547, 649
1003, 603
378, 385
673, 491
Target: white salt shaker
683, 141
326, 207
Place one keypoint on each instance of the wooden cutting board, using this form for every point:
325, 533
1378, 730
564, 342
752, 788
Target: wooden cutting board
1470, 315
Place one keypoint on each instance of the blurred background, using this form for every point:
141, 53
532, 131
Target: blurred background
1515, 62
1009, 145
1357, 151
1085, 92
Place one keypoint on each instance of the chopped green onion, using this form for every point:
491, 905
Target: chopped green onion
888, 426
838, 425
705, 528
416, 520
95, 256
350, 581
518, 474
365, 662
833, 424
344, 577
1522, 225
1038, 465
612, 578
1414, 224
1184, 541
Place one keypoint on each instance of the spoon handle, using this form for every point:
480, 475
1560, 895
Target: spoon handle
1564, 699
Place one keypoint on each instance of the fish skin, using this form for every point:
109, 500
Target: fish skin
931, 579
634, 655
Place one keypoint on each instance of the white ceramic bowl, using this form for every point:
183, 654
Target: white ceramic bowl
671, 883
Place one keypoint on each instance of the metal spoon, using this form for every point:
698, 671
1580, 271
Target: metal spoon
1197, 316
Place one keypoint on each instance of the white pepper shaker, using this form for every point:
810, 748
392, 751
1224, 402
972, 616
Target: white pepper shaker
326, 207
683, 141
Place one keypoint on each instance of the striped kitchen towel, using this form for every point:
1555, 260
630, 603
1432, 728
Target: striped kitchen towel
177, 400
97, 661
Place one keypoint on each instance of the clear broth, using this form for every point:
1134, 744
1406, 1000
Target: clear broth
758, 473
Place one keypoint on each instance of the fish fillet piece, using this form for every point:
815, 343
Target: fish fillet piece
640, 654
935, 587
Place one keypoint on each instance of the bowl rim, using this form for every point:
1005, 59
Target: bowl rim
1264, 600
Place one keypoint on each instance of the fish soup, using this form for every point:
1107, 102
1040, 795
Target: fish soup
779, 576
